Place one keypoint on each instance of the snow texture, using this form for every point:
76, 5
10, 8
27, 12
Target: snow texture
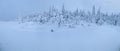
35, 37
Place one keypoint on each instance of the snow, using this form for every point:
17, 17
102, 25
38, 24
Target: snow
33, 37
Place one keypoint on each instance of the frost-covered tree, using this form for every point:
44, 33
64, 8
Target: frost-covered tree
63, 10
99, 12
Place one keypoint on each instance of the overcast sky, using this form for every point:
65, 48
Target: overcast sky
10, 9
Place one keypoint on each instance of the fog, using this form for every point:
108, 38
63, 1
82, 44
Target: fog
10, 9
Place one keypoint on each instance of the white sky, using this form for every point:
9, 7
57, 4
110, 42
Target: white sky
10, 9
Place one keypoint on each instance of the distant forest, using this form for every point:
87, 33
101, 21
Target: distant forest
63, 17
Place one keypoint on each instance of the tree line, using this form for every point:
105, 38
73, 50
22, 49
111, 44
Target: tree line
63, 17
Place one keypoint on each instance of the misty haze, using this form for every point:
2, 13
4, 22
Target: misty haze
59, 25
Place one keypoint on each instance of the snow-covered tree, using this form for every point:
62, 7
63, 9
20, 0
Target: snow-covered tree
93, 10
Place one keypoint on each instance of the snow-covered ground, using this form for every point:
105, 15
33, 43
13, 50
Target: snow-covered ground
33, 37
